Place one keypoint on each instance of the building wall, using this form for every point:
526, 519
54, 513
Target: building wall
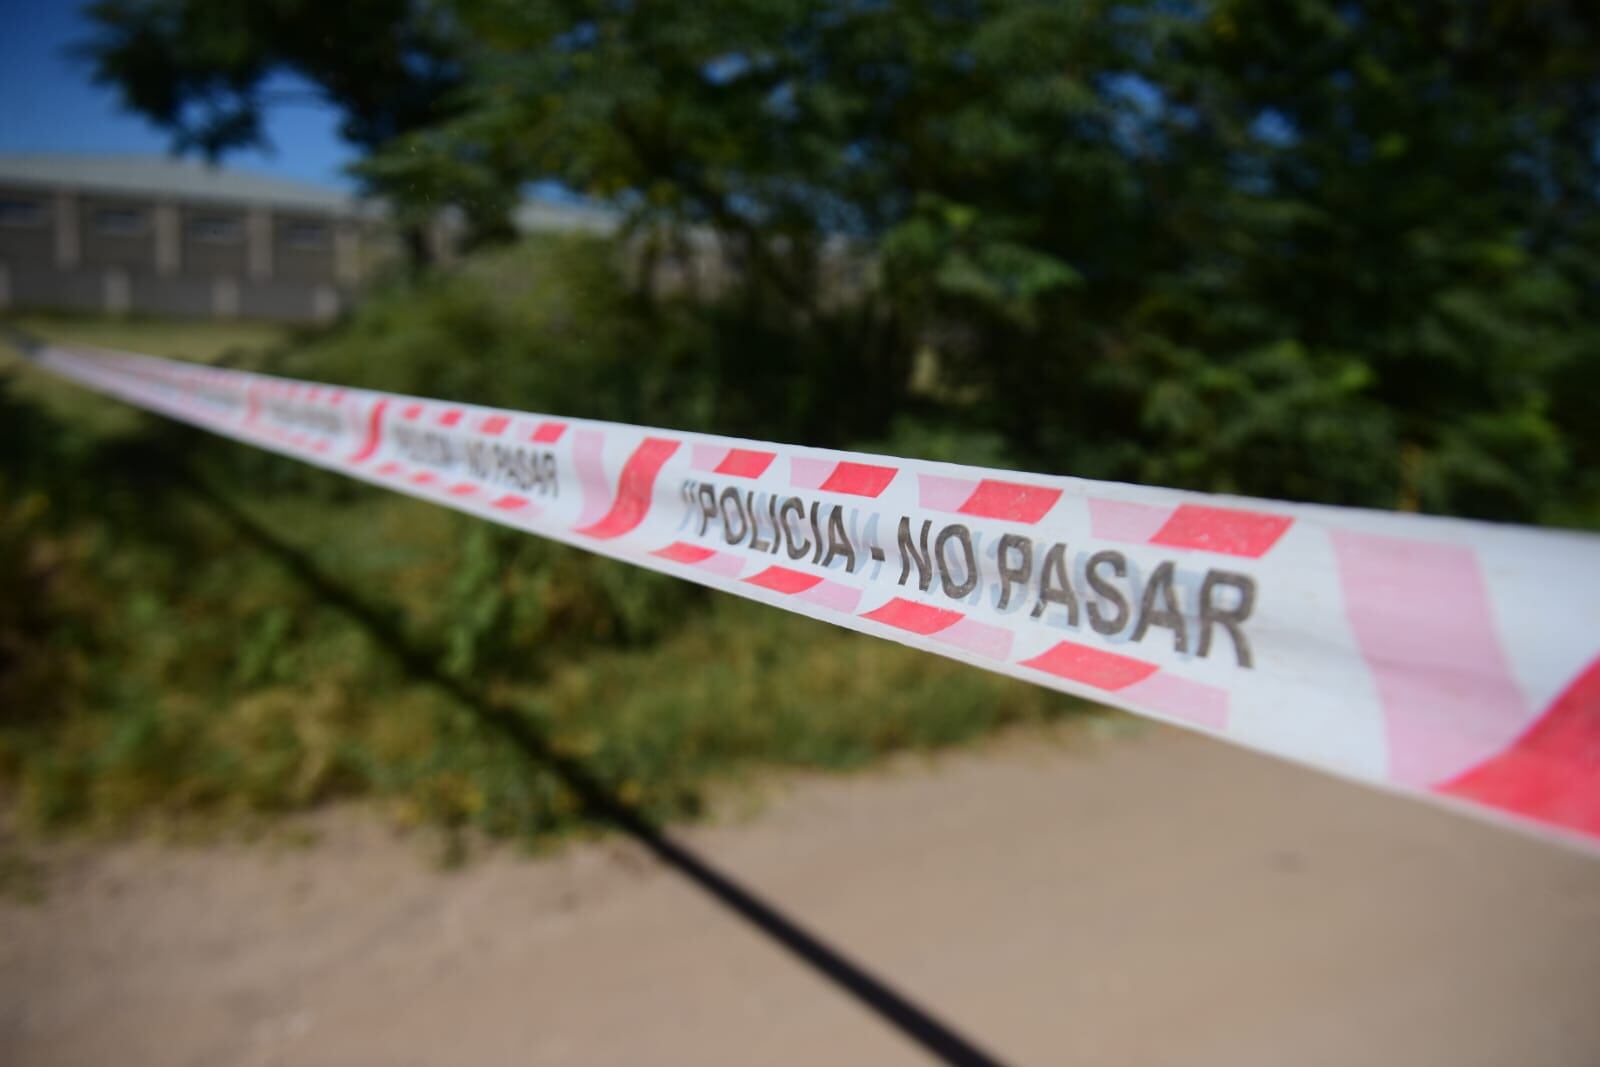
116, 233
50, 288
302, 248
24, 238
214, 241
67, 249
183, 298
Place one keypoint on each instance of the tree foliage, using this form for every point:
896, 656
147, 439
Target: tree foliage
208, 72
1339, 251
1342, 251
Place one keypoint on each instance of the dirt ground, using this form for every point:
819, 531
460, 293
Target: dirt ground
1154, 899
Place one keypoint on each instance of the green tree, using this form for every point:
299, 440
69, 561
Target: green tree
1397, 202
209, 71
1331, 250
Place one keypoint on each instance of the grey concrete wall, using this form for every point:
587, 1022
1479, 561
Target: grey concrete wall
49, 288
108, 242
26, 242
87, 252
147, 293
185, 298
213, 242
303, 248
285, 301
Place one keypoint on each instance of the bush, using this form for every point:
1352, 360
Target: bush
167, 667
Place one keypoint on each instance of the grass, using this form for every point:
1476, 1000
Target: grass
205, 341
95, 416
183, 678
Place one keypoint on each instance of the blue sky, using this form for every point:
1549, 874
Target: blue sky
50, 105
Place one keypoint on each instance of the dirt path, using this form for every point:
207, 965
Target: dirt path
1150, 900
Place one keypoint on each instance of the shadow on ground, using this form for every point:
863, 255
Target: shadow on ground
599, 801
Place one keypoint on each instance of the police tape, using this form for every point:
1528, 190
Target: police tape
1444, 658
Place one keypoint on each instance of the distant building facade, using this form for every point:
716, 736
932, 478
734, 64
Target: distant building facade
159, 236
166, 237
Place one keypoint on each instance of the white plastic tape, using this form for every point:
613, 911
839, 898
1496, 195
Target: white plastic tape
1459, 660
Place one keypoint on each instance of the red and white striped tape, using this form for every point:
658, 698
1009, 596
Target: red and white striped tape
1453, 659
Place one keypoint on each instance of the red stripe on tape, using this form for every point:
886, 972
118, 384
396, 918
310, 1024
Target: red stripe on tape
859, 479
548, 432
450, 418
784, 580
918, 618
494, 425
374, 433
1226, 530
683, 552
424, 478
412, 411
633, 489
511, 502
745, 463
994, 499
463, 489
1552, 772
1091, 666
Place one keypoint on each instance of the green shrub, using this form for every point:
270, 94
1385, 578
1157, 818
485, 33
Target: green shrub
163, 668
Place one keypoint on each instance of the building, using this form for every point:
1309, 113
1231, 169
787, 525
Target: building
169, 237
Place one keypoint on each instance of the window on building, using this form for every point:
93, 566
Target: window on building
306, 235
216, 229
15, 212
120, 221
